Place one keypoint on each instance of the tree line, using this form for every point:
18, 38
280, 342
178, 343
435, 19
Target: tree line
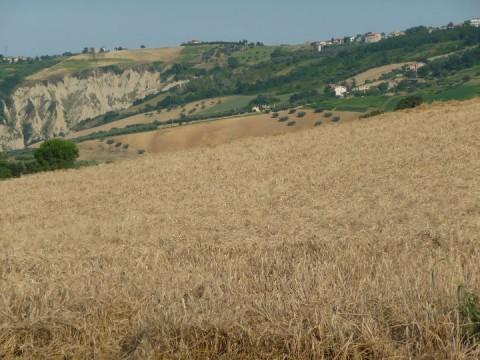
51, 155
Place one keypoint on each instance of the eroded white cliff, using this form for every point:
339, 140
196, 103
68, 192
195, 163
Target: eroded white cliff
45, 109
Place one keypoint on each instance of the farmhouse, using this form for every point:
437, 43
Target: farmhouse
318, 45
193, 42
396, 34
340, 90
370, 37
415, 66
261, 108
338, 41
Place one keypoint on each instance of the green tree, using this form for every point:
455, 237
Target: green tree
233, 62
383, 87
56, 154
5, 172
329, 92
409, 102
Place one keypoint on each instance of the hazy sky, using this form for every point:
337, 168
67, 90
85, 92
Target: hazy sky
37, 27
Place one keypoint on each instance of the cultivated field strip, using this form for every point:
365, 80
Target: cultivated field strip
340, 242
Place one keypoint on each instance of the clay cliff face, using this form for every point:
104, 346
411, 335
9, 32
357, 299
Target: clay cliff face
42, 110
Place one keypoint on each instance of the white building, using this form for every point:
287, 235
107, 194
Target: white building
261, 108
415, 66
363, 88
475, 22
12, 59
319, 45
340, 90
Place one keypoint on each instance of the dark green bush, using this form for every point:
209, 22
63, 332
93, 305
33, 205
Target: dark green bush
141, 151
292, 111
263, 100
327, 114
275, 115
469, 309
283, 119
409, 102
318, 123
5, 171
110, 141
56, 154
318, 110
336, 119
291, 123
301, 114
371, 114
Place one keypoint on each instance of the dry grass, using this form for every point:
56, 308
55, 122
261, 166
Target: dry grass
206, 133
375, 73
222, 131
343, 242
142, 55
89, 61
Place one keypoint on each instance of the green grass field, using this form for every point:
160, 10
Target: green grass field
6, 70
231, 103
192, 54
255, 55
463, 92
360, 104
388, 103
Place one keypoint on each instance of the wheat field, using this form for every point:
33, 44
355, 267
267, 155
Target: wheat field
353, 241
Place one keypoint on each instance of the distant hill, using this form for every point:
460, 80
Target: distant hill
53, 97
124, 58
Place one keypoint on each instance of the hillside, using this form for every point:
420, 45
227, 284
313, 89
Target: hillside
54, 97
208, 133
121, 58
41, 110
351, 241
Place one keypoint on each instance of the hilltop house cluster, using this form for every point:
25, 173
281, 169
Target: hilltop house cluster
367, 38
93, 50
15, 59
373, 37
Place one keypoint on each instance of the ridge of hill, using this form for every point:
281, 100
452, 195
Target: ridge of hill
123, 58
